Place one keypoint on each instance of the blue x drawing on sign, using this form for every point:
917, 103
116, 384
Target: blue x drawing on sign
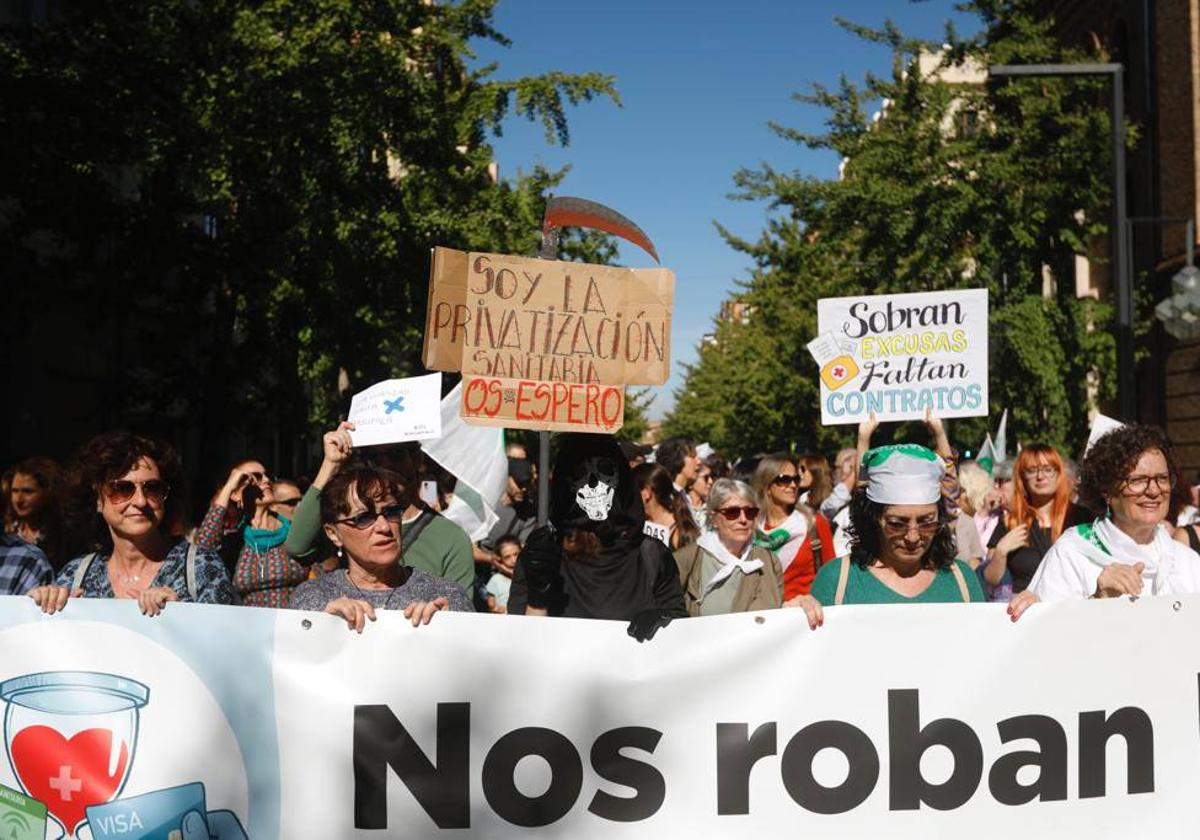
393, 405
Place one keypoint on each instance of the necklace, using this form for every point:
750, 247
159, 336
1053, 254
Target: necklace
387, 601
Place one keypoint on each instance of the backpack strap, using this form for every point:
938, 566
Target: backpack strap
961, 581
81, 572
190, 571
843, 579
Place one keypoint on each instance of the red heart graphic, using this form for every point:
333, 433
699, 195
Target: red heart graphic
67, 776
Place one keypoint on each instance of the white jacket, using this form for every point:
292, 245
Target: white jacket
1072, 566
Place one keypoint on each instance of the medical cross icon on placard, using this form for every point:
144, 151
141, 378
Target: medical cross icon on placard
65, 783
394, 405
839, 372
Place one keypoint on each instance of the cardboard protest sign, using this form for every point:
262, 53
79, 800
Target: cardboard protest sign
898, 355
397, 410
515, 324
549, 406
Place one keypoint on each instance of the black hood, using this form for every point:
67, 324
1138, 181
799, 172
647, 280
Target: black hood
593, 463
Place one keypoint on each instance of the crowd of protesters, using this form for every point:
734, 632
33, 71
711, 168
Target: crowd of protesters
636, 534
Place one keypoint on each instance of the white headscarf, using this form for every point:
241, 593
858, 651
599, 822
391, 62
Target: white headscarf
730, 563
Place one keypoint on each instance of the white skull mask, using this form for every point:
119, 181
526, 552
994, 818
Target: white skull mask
595, 483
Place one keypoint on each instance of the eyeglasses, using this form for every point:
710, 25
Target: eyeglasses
120, 491
732, 513
364, 520
785, 480
901, 527
289, 502
1044, 469
1137, 485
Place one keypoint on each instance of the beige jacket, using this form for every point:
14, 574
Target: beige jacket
761, 590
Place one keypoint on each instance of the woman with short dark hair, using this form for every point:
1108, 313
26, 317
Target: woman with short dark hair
361, 511
1129, 473
127, 482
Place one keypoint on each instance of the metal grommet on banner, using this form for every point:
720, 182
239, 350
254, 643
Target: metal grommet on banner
1133, 598
306, 624
1177, 606
758, 619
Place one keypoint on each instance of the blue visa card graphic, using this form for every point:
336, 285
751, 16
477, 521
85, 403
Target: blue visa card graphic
151, 816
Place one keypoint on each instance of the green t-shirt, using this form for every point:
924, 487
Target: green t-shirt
862, 587
443, 549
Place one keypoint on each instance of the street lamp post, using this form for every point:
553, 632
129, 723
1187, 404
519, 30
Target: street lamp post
1126, 383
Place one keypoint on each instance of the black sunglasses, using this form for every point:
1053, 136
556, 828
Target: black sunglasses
364, 520
785, 480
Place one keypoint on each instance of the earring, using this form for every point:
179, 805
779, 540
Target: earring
339, 552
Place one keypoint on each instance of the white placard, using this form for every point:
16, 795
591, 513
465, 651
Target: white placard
898, 355
397, 410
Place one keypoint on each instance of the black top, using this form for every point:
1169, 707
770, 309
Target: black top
624, 580
1023, 562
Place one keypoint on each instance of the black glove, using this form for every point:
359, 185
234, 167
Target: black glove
542, 558
646, 623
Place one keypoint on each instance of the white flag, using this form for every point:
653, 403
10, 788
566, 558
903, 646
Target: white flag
475, 456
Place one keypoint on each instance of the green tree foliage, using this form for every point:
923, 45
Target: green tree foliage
238, 200
996, 185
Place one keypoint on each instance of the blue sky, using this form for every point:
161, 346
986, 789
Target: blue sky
699, 82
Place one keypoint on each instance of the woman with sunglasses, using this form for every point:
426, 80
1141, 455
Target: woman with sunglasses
241, 524
800, 537
724, 571
1041, 509
1128, 472
125, 482
361, 510
902, 548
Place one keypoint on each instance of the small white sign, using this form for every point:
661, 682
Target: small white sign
1101, 426
397, 410
898, 355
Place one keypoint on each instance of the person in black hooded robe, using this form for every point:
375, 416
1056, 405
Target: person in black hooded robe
592, 560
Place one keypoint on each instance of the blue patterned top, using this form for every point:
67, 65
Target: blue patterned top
212, 581
22, 566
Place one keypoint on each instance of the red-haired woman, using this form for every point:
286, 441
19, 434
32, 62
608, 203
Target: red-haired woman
1041, 510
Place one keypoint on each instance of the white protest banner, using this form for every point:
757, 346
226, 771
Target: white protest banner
397, 410
890, 721
898, 355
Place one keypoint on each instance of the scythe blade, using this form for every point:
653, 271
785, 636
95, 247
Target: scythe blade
567, 211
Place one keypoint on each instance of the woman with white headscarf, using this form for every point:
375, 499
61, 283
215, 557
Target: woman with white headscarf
902, 548
1129, 472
